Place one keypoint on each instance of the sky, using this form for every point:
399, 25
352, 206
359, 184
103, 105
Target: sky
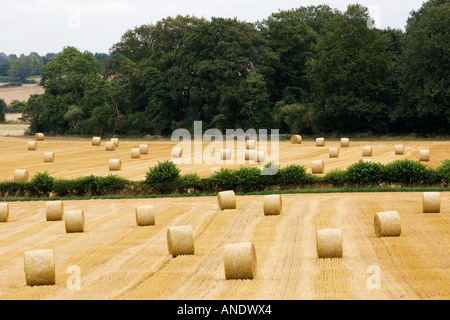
47, 26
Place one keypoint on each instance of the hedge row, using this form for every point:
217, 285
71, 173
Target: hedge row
165, 178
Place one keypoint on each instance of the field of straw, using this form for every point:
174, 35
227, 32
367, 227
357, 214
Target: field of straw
111, 256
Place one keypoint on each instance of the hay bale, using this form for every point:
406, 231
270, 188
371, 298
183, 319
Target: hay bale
225, 154
431, 202
334, 152
54, 210
115, 165
250, 144
177, 152
180, 240
320, 142
74, 221
49, 156
32, 145
329, 243
39, 136
143, 148
250, 154
317, 167
399, 149
4, 212
367, 151
21, 175
135, 153
260, 156
116, 141
296, 139
145, 215
110, 146
39, 267
387, 224
226, 200
240, 261
366, 160
345, 142
424, 155
272, 204
96, 141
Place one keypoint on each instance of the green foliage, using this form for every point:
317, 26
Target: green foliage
248, 179
335, 177
365, 173
291, 176
224, 179
443, 171
163, 177
2, 110
406, 172
42, 183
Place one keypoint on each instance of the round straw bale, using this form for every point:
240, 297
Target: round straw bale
367, 151
49, 156
431, 202
260, 156
39, 267
135, 153
32, 145
145, 215
250, 154
317, 166
225, 154
424, 155
110, 146
320, 142
96, 141
4, 212
250, 144
143, 148
296, 139
329, 243
177, 152
226, 200
180, 240
345, 142
387, 224
334, 152
21, 175
239, 260
74, 221
399, 149
116, 141
272, 204
115, 165
54, 210
39, 136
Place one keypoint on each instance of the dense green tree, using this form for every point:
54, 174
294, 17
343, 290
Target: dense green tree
25, 66
2, 110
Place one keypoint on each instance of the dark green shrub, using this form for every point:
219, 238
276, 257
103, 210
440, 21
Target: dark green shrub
189, 182
335, 177
163, 177
110, 184
42, 184
365, 173
224, 179
15, 189
292, 176
443, 171
248, 179
407, 173
63, 187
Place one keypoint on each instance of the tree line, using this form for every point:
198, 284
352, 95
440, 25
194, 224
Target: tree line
307, 70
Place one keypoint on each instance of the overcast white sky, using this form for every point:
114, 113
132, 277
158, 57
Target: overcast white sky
44, 26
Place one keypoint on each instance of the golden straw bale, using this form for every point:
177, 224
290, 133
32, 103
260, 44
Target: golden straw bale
74, 221
110, 146
345, 142
296, 139
317, 166
431, 202
399, 149
39, 136
226, 200
54, 210
49, 156
225, 154
115, 165
32, 145
177, 152
387, 224
240, 261
334, 152
424, 155
367, 151
21, 175
250, 154
250, 144
272, 204
329, 243
39, 267
116, 141
180, 240
135, 153
4, 212
96, 141
145, 215
143, 148
260, 156
320, 142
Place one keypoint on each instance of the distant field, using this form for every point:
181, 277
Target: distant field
21, 93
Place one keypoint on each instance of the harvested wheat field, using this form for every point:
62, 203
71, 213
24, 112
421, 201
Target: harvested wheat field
113, 258
21, 93
78, 157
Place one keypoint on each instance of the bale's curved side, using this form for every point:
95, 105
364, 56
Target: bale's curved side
329, 243
39, 267
273, 204
145, 215
334, 153
180, 240
296, 139
74, 221
317, 167
387, 224
96, 141
54, 210
345, 142
21, 175
226, 200
115, 165
431, 202
240, 261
